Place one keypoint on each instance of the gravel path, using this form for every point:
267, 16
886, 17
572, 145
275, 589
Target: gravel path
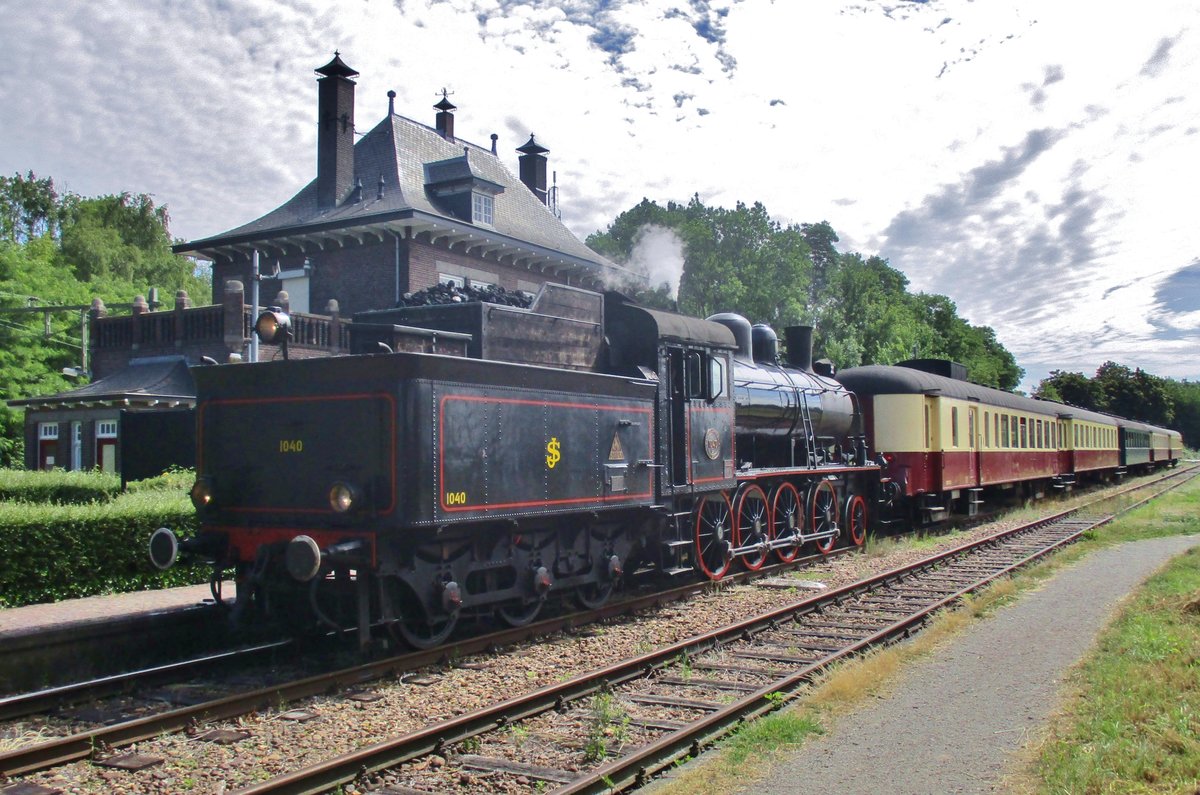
953, 722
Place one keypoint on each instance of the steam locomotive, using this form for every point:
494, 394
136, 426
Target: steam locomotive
496, 457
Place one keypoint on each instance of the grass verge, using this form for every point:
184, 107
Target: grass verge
750, 753
1132, 721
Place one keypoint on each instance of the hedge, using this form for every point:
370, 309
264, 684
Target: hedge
51, 552
58, 486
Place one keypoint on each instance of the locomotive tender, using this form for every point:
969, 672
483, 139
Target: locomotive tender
577, 441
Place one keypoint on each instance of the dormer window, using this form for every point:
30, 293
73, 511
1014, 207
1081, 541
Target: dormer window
481, 208
456, 188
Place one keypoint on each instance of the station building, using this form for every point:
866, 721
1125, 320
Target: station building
403, 207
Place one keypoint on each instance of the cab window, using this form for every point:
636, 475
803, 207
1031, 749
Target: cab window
716, 377
693, 364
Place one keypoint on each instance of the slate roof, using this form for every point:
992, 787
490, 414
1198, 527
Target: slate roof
397, 150
144, 381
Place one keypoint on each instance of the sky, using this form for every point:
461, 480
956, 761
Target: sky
1035, 160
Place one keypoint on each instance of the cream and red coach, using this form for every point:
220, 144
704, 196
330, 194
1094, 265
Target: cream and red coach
949, 443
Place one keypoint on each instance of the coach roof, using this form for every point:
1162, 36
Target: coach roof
887, 380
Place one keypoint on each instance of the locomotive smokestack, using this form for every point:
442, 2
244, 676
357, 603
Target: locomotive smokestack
799, 347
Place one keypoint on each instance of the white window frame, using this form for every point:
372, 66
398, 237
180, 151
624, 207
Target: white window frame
106, 429
47, 431
483, 208
451, 279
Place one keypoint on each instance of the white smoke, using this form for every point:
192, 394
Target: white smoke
658, 255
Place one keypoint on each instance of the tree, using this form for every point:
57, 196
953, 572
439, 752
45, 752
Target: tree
1074, 389
1185, 396
741, 260
66, 250
1134, 394
123, 237
29, 208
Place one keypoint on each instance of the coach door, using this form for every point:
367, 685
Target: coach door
973, 441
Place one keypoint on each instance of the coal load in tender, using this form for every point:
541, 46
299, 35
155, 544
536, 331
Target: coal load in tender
451, 294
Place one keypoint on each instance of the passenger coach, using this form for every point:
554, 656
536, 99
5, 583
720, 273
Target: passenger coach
950, 445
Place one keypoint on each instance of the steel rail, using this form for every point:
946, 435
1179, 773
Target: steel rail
18, 706
84, 745
635, 769
628, 771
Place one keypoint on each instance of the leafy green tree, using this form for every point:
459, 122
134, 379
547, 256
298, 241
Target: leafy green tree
1134, 394
65, 250
1185, 396
1074, 389
124, 238
29, 207
743, 261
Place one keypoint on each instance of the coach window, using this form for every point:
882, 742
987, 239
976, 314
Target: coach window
1003, 431
1024, 426
987, 429
996, 429
928, 436
954, 426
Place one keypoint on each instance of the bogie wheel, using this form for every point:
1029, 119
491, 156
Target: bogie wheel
714, 533
855, 514
823, 514
787, 519
751, 525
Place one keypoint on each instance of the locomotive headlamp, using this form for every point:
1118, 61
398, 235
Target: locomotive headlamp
202, 493
272, 327
342, 497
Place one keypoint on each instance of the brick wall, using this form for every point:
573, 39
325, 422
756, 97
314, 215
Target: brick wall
426, 261
362, 277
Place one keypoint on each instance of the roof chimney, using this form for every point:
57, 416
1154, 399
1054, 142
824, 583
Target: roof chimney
335, 132
533, 167
445, 117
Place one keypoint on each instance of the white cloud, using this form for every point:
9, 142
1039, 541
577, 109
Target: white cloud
878, 115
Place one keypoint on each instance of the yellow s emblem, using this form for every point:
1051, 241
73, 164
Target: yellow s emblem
552, 454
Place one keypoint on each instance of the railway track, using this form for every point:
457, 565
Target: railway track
83, 744
703, 672
669, 704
